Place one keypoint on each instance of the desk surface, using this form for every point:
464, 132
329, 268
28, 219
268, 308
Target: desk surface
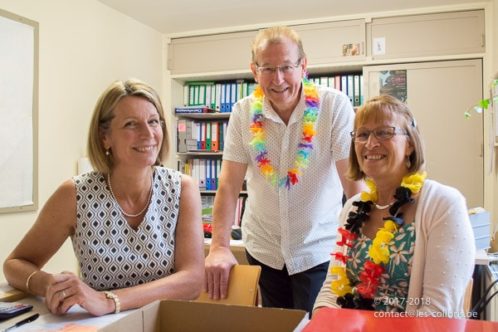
77, 320
482, 257
330, 319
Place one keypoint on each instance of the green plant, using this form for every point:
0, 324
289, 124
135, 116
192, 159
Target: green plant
484, 103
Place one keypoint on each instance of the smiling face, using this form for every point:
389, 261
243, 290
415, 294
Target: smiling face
384, 159
281, 88
135, 133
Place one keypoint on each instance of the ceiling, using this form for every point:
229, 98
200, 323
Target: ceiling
187, 16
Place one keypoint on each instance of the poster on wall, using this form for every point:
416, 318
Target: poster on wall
18, 105
393, 83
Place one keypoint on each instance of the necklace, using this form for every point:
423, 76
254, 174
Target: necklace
304, 147
383, 207
131, 215
361, 295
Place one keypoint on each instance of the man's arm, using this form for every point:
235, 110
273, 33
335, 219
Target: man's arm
220, 259
350, 187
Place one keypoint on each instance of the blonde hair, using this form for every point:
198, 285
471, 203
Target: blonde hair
104, 113
274, 35
387, 107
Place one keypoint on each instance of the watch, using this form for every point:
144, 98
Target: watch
115, 298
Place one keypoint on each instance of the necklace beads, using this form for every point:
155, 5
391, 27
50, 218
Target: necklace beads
130, 215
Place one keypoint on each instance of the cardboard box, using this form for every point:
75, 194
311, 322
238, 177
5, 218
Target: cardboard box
189, 316
481, 225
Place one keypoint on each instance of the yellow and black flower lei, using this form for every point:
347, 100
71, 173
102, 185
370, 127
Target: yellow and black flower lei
361, 295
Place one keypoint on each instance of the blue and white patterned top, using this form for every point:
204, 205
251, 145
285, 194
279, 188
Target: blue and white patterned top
112, 254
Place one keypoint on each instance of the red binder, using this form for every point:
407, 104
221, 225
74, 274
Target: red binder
330, 319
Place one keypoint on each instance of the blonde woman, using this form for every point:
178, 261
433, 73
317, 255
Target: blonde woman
135, 226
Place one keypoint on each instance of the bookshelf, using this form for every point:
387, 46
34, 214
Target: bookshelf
201, 123
456, 34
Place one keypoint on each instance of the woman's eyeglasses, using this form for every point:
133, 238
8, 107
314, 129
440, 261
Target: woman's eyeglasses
381, 133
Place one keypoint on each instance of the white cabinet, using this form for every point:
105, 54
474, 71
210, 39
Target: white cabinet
438, 93
442, 34
325, 43
211, 53
224, 52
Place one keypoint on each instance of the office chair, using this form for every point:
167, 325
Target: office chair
242, 287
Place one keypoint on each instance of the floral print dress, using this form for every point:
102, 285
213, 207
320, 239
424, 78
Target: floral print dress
392, 292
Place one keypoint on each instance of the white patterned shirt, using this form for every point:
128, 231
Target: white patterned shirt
294, 227
111, 254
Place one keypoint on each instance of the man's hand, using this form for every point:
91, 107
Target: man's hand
219, 262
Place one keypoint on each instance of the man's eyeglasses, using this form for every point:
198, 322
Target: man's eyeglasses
381, 133
284, 69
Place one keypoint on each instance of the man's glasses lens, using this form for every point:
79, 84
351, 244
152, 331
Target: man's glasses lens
284, 69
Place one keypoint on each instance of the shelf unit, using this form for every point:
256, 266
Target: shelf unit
456, 35
200, 137
203, 116
200, 153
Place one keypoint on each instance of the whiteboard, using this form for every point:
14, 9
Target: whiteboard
18, 113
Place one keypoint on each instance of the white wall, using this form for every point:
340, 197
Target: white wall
84, 46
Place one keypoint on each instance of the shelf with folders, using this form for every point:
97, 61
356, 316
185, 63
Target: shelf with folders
349, 83
206, 172
203, 116
200, 154
200, 136
203, 170
213, 192
217, 96
201, 126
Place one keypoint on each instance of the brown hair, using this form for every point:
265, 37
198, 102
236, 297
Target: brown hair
275, 35
104, 113
387, 107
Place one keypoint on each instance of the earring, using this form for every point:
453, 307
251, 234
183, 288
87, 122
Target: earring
107, 153
408, 163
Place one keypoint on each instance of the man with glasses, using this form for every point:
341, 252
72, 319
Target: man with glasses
292, 139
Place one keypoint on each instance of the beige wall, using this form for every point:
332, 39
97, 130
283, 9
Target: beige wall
495, 37
84, 46
495, 71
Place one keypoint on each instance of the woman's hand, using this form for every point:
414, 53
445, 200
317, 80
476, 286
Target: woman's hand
66, 289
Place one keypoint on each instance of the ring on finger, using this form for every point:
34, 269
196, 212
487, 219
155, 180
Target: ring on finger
63, 294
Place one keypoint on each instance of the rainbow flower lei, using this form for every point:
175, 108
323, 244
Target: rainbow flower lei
305, 145
361, 295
